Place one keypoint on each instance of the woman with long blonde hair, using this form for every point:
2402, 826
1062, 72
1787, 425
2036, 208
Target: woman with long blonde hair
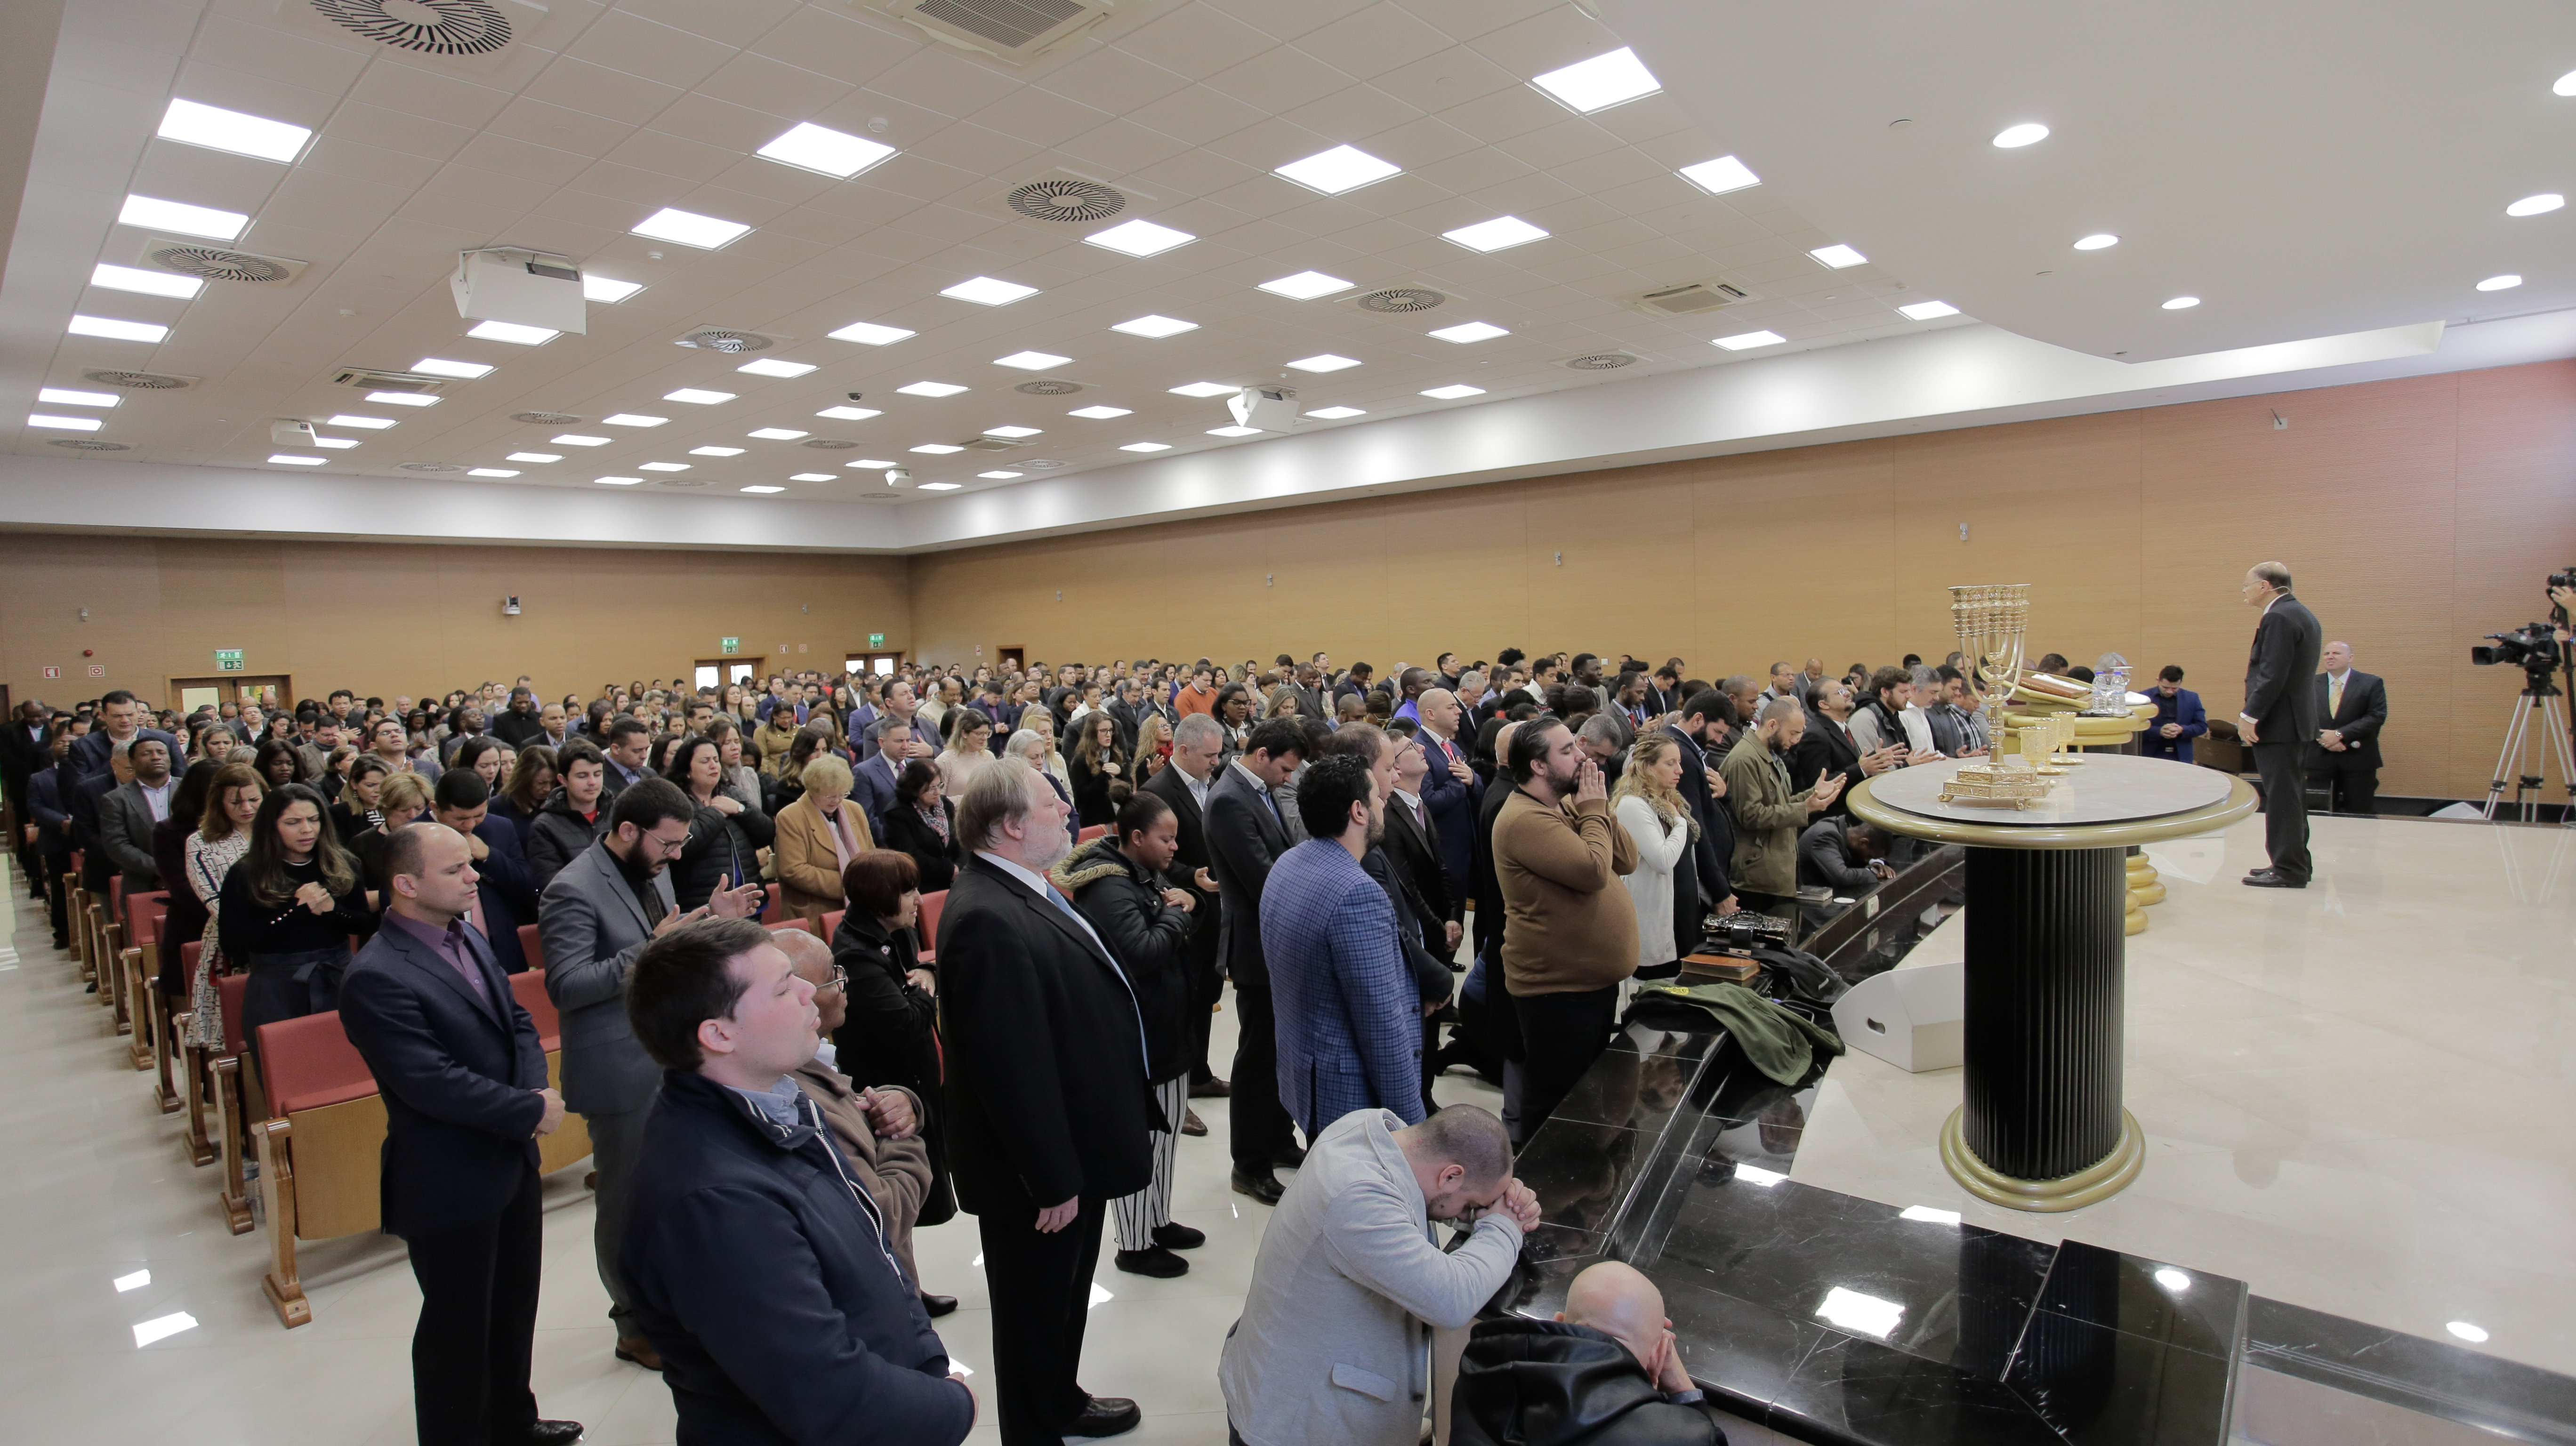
1648, 804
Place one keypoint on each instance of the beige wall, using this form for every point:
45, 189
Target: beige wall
412, 620
2416, 514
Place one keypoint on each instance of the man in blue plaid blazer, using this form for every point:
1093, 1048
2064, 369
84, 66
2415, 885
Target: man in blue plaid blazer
1349, 1015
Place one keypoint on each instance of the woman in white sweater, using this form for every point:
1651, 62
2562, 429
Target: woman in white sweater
1648, 805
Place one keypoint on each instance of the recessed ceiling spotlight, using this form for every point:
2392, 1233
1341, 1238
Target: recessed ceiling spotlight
775, 434
1454, 392
770, 367
631, 419
1000, 476
1599, 83
570, 439
2099, 240
661, 466
1335, 414
1146, 447
1499, 234
762, 487
1012, 431
63, 397
2182, 303
371, 424
187, 220
1306, 286
619, 481
707, 233
1205, 389
1101, 414
2540, 205
534, 457
66, 424
931, 389
442, 367
336, 444
1155, 326
986, 291
1343, 168
115, 330
1234, 431
870, 464
2028, 133
1745, 340
1468, 331
1031, 361
849, 414
513, 333
1720, 176
289, 459
148, 283
229, 130
811, 477
940, 486
607, 289
938, 449
868, 333
1838, 256
1327, 362
715, 451
402, 399
2506, 282
1139, 238
1927, 310
490, 472
810, 147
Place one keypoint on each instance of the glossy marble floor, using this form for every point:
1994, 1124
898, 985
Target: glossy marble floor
96, 1189
2360, 1097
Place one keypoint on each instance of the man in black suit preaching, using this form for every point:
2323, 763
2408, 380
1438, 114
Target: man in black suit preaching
2280, 720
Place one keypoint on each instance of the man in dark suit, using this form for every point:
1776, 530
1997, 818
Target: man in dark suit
2179, 718
1185, 785
120, 721
2352, 706
1247, 832
24, 753
464, 1086
128, 812
2279, 721
1050, 1112
1828, 746
873, 779
506, 897
1450, 788
1705, 719
1407, 863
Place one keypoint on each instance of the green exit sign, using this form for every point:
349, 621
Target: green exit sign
876, 640
732, 646
228, 660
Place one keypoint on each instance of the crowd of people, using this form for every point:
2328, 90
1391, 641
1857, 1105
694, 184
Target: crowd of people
1459, 864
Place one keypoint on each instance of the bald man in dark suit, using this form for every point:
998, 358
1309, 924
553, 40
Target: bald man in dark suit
2280, 720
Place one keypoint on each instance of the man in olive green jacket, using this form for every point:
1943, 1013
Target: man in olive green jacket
1768, 813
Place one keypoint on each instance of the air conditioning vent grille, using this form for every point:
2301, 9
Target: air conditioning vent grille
545, 419
828, 444
440, 468
1689, 300
1049, 387
424, 27
214, 263
86, 444
1011, 24
138, 381
1066, 200
726, 340
681, 482
1400, 300
388, 381
995, 444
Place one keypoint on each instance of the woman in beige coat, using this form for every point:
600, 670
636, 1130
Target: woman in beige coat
818, 835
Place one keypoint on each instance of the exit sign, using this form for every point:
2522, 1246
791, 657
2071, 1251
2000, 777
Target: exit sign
228, 660
876, 640
732, 646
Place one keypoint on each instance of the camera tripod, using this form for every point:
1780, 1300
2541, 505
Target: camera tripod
2539, 699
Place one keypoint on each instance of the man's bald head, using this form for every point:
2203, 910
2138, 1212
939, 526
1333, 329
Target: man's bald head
1620, 1302
811, 957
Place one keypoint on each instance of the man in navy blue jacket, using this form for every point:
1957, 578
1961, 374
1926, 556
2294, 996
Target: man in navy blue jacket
506, 897
2179, 719
758, 1262
464, 1086
1450, 789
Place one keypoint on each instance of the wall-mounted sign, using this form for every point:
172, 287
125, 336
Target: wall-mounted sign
876, 640
732, 646
228, 660
53, 672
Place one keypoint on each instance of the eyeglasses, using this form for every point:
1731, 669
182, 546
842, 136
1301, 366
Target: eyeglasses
840, 980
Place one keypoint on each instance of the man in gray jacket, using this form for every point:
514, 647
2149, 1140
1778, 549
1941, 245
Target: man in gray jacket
593, 919
1334, 1343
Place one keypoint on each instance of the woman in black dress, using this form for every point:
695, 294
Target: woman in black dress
725, 839
922, 824
290, 908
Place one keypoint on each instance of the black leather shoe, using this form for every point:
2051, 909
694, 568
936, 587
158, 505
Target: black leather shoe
1157, 1262
1191, 1124
1264, 1187
1288, 1155
2262, 873
553, 1433
1210, 1089
2270, 880
937, 1305
1105, 1416
1172, 1235
640, 1351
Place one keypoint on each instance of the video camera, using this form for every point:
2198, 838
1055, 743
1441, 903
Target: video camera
2534, 647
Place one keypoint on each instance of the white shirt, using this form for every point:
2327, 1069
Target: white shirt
159, 798
1198, 789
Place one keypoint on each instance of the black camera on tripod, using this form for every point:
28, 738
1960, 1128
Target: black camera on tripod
2533, 647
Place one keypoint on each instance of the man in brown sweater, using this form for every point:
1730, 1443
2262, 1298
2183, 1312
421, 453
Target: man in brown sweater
1571, 932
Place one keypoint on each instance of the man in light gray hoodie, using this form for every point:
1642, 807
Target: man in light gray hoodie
1334, 1344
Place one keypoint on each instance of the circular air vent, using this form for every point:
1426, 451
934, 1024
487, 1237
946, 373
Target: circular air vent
828, 444
545, 419
424, 27
1599, 361
1066, 201
439, 467
1397, 300
84, 444
137, 381
724, 339
1048, 388
216, 264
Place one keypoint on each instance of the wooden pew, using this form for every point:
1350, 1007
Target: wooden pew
194, 1065
166, 1064
109, 935
238, 1100
570, 1143
321, 1156
76, 901
138, 974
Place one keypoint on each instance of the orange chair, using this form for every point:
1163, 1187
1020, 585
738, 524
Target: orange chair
321, 1157
570, 1143
138, 974
926, 925
771, 909
533, 945
830, 925
1088, 834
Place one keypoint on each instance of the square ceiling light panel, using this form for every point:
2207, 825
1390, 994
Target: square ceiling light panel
1324, 363
289, 459
1454, 392
812, 477
698, 395
1343, 168
145, 283
607, 289
941, 486
1234, 431
1012, 431
776, 434
1101, 414
1743, 341
1335, 414
810, 147
1146, 447
715, 451
1305, 286
159, 215
661, 466
337, 444
371, 424
1837, 256
988, 291
938, 449
1140, 238
1720, 176
772, 367
1499, 234
849, 414
65, 397
707, 233
1156, 327
575, 439
513, 333
1206, 389
756, 487
1929, 310
534, 457
63, 424
870, 464
1599, 83
632, 419
930, 389
402, 399
1467, 331
1000, 476
115, 330
1031, 361
217, 129
490, 472
619, 481
439, 366
868, 333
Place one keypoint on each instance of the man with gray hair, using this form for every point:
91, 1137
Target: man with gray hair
1601, 737
1768, 812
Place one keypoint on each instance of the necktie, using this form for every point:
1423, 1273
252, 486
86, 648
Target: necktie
2334, 697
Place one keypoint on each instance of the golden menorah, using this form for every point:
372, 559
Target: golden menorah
1991, 619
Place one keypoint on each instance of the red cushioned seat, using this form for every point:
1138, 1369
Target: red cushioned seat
533, 947
530, 987
1087, 835
230, 989
307, 1063
925, 925
141, 912
832, 924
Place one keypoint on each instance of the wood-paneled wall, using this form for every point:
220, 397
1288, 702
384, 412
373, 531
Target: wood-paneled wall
2416, 515
389, 620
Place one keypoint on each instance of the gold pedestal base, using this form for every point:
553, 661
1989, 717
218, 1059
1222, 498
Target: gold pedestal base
2136, 921
2097, 1182
2142, 895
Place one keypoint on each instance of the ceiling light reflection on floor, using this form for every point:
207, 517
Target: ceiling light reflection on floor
2182, 303
162, 1328
1928, 1215
1756, 1175
2474, 1335
2174, 1281
136, 1281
